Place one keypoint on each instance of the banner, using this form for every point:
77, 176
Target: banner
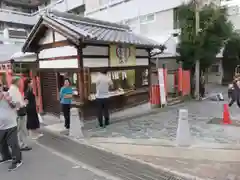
162, 86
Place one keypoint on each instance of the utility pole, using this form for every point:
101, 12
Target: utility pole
197, 64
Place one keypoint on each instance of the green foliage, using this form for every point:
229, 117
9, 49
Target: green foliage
215, 29
231, 56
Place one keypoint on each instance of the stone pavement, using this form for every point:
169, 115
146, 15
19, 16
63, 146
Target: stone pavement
105, 162
193, 163
42, 164
150, 139
204, 169
163, 125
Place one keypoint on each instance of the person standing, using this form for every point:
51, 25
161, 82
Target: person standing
33, 123
202, 85
66, 93
103, 82
17, 98
8, 132
234, 93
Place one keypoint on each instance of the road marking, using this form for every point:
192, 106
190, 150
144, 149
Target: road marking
78, 164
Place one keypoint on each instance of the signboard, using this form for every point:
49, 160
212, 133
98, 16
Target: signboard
124, 56
162, 86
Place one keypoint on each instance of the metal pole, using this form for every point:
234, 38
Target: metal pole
197, 65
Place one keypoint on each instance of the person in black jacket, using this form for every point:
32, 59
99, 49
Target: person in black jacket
234, 93
33, 123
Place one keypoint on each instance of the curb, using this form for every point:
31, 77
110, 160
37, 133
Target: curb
182, 175
84, 142
168, 143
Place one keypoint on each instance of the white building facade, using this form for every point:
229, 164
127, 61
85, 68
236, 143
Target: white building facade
19, 18
149, 17
158, 20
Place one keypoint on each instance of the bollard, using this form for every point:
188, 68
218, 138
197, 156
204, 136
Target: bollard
183, 131
76, 125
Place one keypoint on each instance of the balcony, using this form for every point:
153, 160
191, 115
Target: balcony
17, 17
25, 3
30, 19
68, 5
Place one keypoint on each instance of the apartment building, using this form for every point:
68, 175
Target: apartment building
17, 17
149, 17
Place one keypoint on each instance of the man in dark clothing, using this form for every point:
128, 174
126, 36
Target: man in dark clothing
234, 93
103, 82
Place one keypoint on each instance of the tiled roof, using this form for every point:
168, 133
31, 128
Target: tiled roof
101, 31
81, 29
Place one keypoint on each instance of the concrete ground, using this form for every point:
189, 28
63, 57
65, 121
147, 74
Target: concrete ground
42, 163
151, 139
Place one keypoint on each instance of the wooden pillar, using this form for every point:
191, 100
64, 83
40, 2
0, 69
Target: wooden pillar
81, 73
149, 70
39, 89
180, 79
149, 75
165, 79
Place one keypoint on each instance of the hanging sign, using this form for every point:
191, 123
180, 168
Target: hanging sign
122, 55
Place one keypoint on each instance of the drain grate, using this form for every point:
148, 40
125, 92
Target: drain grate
107, 162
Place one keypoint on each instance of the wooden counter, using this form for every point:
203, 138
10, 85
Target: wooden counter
119, 102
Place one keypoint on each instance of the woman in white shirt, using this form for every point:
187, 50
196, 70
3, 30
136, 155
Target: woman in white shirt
17, 98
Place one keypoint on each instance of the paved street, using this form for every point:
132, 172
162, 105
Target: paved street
42, 164
150, 139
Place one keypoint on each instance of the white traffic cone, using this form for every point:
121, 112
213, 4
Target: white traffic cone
76, 124
183, 131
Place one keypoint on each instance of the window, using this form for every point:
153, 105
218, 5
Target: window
176, 23
147, 18
214, 68
103, 2
145, 77
233, 10
110, 2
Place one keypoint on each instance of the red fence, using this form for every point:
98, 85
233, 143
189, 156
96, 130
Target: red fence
181, 84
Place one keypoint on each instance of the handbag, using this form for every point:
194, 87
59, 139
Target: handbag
40, 119
22, 111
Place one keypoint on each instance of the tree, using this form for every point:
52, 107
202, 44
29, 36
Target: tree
215, 29
231, 56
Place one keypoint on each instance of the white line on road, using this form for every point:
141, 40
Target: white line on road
79, 164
